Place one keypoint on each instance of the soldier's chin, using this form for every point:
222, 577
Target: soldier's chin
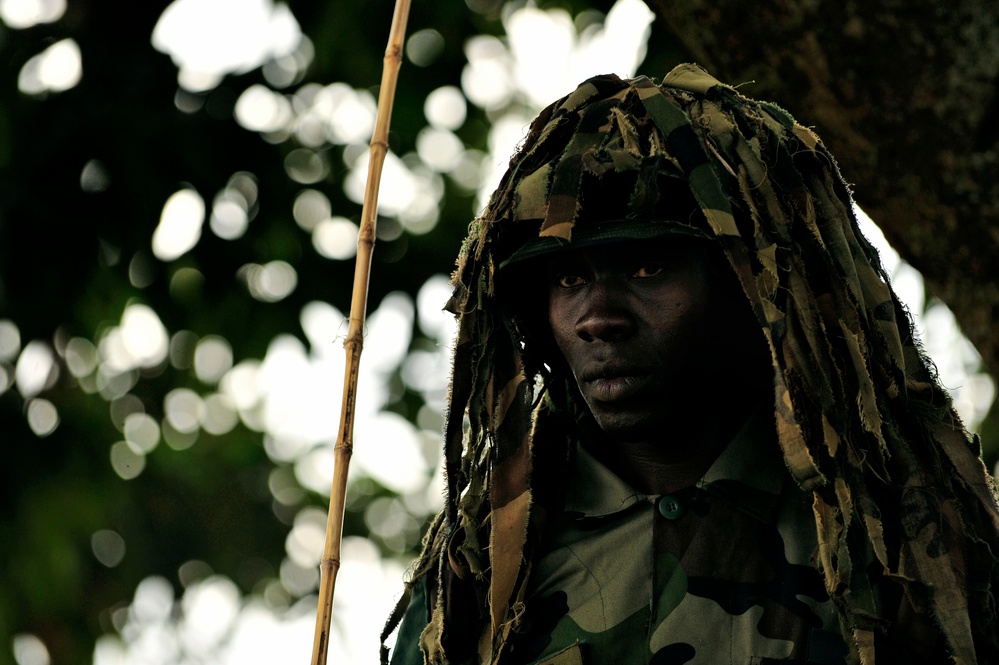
628, 426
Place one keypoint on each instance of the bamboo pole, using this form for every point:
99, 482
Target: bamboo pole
330, 564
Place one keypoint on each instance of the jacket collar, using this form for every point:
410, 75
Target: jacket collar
749, 474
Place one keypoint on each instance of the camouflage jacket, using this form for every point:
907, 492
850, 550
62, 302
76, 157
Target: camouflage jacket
721, 572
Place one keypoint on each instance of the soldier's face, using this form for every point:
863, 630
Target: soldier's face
650, 331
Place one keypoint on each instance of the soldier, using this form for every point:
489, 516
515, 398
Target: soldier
689, 421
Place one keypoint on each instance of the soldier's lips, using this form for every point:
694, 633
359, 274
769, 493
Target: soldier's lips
616, 387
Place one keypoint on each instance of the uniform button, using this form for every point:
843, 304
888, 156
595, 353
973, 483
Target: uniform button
670, 507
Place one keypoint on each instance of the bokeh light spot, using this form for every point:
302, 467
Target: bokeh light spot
57, 68
306, 166
29, 650
210, 607
141, 270
180, 225
186, 283
139, 341
393, 458
187, 102
229, 219
35, 368
142, 430
310, 130
126, 460
94, 177
153, 600
240, 385
468, 173
284, 448
350, 114
207, 39
314, 470
182, 347
430, 300
193, 571
144, 338
298, 580
388, 519
445, 108
505, 135
243, 188
542, 43
177, 440
21, 14
423, 211
260, 109
399, 188
114, 384
108, 547
219, 415
486, 79
307, 537
284, 487
311, 207
281, 72
489, 8
286, 70
10, 340
439, 149
389, 334
6, 377
336, 238
323, 324
388, 229
424, 47
184, 409
43, 418
212, 359
122, 407
270, 282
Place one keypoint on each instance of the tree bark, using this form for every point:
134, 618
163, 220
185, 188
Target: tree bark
906, 95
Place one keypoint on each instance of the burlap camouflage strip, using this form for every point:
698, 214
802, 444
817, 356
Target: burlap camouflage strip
862, 421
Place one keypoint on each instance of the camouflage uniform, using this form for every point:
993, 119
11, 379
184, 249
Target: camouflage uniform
717, 573
722, 572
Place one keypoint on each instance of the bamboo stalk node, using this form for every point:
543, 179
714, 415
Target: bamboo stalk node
366, 237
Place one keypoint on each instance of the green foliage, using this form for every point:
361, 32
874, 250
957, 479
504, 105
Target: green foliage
84, 176
68, 262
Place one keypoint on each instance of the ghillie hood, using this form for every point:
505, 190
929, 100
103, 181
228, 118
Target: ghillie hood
861, 420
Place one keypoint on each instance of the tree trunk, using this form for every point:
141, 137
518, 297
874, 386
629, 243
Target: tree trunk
905, 96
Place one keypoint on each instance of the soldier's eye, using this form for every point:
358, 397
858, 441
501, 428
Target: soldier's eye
648, 270
569, 280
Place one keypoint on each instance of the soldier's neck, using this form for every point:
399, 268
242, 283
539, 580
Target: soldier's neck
675, 459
